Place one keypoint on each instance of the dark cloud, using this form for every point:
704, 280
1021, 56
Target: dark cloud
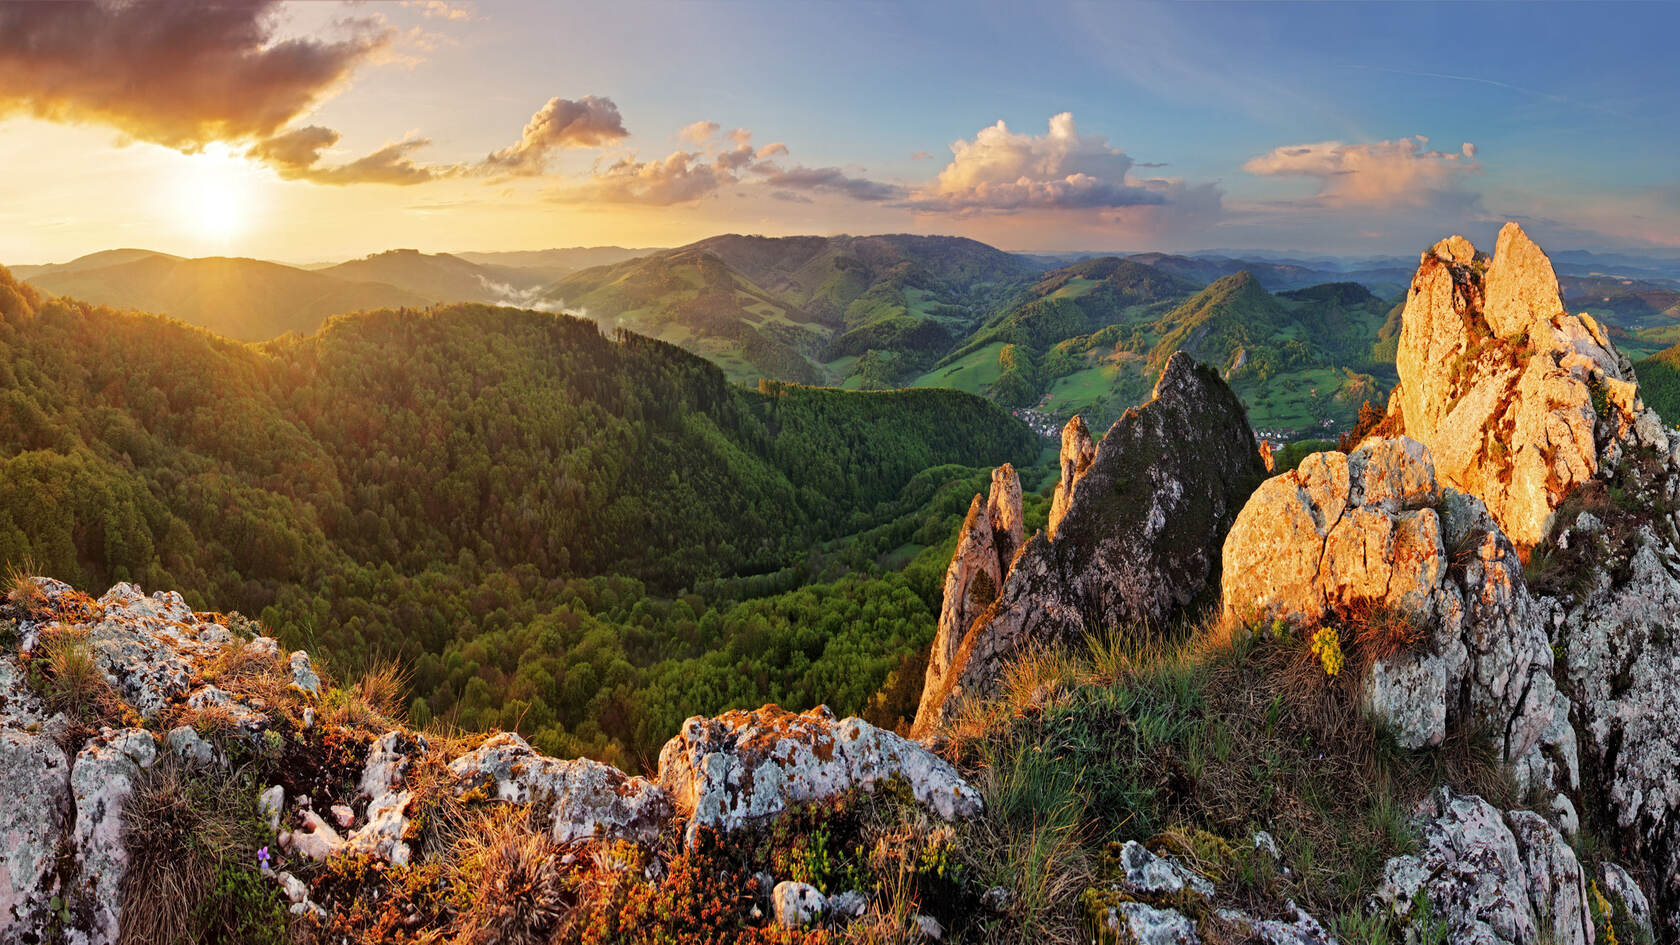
830, 180
178, 74
296, 155
588, 122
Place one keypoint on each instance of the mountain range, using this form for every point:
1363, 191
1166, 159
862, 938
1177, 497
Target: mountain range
1304, 341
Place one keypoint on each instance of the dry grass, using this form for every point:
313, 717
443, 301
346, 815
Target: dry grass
21, 590
192, 838
507, 873
376, 700
74, 683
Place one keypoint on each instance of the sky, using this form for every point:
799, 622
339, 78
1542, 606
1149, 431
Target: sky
321, 131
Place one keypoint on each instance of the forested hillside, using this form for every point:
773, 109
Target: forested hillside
558, 531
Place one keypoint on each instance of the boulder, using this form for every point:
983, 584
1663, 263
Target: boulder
1489, 877
580, 798
1140, 539
1616, 884
797, 905
1142, 873
745, 766
1373, 527
1134, 923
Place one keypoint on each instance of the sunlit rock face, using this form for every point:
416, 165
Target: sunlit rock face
1512, 395
1534, 411
1137, 544
1375, 528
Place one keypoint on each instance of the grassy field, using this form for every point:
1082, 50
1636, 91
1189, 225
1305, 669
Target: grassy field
973, 372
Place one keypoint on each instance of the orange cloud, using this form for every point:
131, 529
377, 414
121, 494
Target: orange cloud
296, 155
1387, 173
588, 122
180, 75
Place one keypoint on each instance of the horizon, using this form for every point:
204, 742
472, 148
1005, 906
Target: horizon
335, 131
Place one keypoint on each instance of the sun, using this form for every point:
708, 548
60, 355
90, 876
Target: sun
214, 197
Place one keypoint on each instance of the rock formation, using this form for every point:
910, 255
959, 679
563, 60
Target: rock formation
1489, 877
1139, 540
1510, 392
1536, 413
1374, 528
65, 855
986, 547
1078, 452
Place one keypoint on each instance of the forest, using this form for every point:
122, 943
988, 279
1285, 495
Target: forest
581, 537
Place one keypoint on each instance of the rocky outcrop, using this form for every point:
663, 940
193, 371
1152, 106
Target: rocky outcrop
986, 547
35, 779
1342, 533
1535, 412
579, 798
744, 767
1139, 541
1490, 877
1510, 392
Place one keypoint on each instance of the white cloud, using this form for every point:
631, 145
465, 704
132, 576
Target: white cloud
1001, 170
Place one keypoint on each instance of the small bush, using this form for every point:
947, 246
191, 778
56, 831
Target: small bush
508, 874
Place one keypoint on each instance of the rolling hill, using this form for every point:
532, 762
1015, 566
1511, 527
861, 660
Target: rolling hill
442, 277
807, 309
245, 299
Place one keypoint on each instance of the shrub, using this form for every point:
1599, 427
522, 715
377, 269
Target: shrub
507, 873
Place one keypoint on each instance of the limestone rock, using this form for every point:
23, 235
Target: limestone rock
986, 547
1302, 930
581, 798
1499, 381
385, 785
1134, 923
1374, 526
1139, 541
1489, 877
1615, 883
1525, 406
744, 766
1078, 452
35, 781
797, 905
1145, 874
314, 838
101, 781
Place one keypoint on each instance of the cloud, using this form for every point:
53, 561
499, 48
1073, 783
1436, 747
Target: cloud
683, 177
588, 122
921, 156
687, 176
177, 74
830, 180
296, 155
440, 10
1001, 171
700, 132
1384, 174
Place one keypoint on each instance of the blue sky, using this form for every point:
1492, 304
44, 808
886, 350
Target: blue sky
1269, 125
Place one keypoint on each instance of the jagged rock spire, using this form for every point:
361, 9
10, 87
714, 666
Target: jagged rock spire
990, 538
1078, 452
1137, 543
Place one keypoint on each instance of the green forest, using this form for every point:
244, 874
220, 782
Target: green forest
581, 537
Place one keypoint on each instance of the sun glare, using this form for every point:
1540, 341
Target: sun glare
214, 197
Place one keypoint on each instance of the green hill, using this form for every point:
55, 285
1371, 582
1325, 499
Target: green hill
1090, 338
439, 277
1659, 383
867, 311
247, 299
587, 537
